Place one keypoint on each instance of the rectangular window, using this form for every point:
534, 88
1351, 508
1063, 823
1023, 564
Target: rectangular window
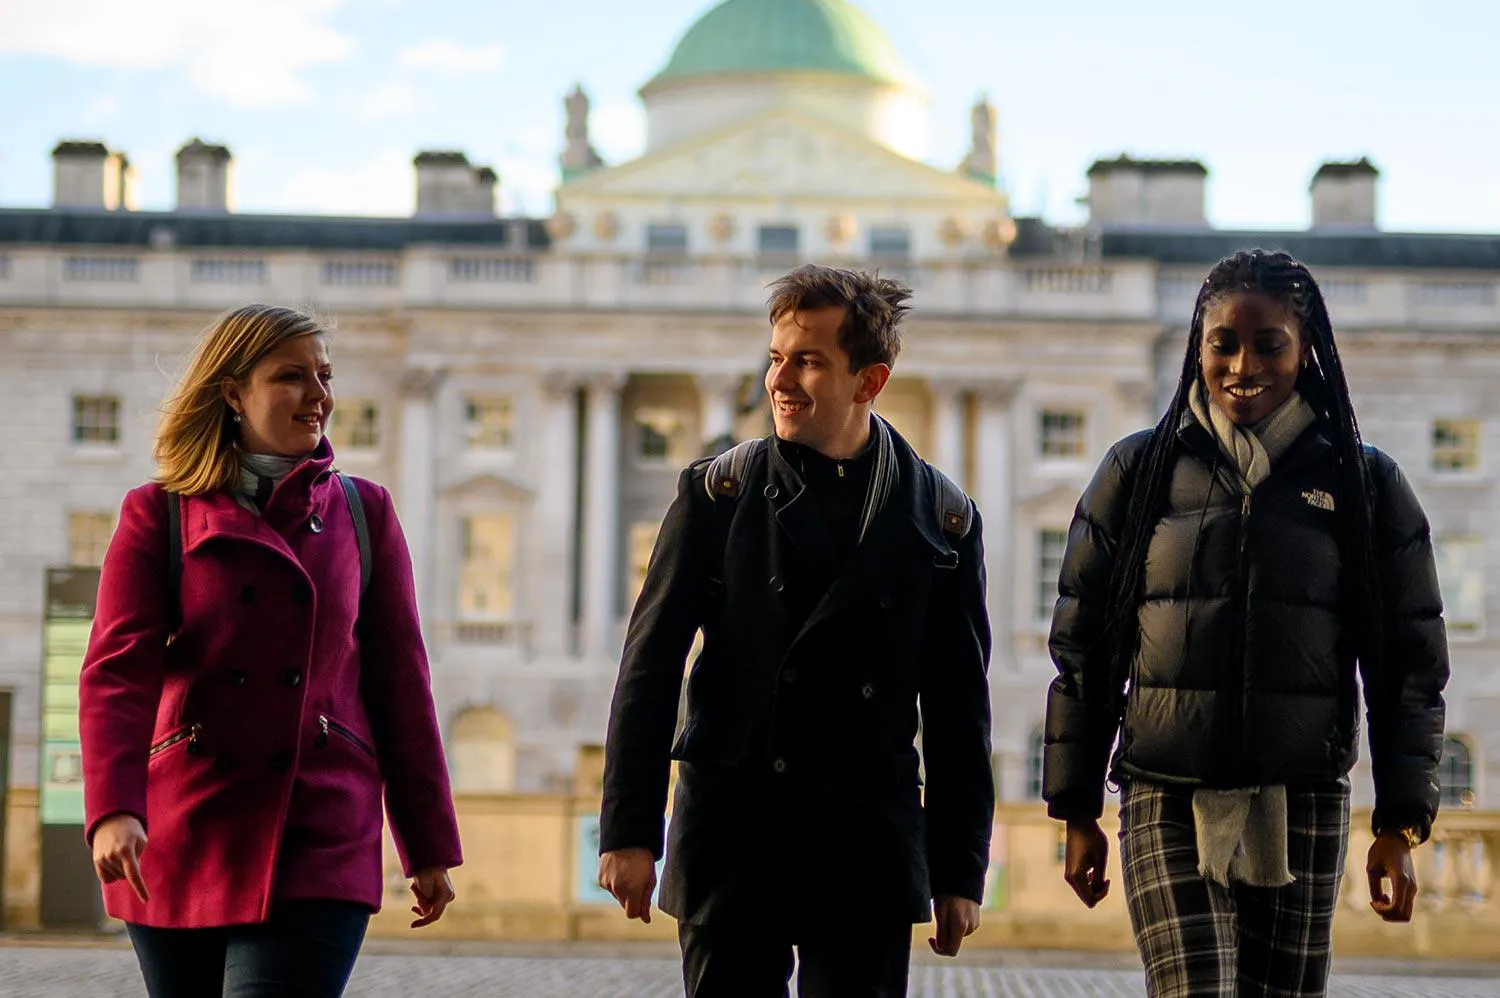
1050, 545
778, 240
1062, 435
489, 423
641, 541
96, 419
662, 437
1460, 568
115, 269
359, 273
355, 425
227, 271
1455, 445
667, 240
1456, 294
890, 243
88, 537
487, 547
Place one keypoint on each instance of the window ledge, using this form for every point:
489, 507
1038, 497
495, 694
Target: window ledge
96, 453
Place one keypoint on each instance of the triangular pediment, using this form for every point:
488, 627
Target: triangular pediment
781, 154
488, 487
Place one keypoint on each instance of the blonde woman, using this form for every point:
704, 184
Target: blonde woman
254, 685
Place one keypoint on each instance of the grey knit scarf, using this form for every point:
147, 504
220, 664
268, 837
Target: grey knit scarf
1242, 833
259, 476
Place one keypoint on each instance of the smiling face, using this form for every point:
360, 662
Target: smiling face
815, 399
285, 402
1252, 351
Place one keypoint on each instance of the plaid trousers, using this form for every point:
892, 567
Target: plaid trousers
1198, 938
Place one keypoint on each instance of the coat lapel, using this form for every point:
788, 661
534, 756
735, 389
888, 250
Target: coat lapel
798, 517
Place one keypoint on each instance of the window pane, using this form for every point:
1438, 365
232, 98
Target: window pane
1050, 545
667, 239
642, 539
1460, 568
662, 437
88, 537
1035, 752
1062, 434
490, 424
355, 425
487, 551
96, 419
1455, 445
778, 239
1456, 774
890, 242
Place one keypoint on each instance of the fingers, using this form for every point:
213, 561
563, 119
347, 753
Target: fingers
1401, 904
431, 901
120, 861
131, 869
1378, 897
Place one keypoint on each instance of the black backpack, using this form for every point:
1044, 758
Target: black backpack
174, 541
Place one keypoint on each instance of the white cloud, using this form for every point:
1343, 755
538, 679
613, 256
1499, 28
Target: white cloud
450, 58
389, 100
618, 130
250, 53
102, 110
384, 185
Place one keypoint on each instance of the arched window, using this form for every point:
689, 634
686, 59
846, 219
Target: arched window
1456, 774
1034, 753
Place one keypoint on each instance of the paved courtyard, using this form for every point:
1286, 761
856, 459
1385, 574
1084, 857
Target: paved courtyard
60, 970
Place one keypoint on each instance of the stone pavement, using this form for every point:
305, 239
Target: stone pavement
60, 969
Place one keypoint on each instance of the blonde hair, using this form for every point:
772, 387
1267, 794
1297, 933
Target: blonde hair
195, 447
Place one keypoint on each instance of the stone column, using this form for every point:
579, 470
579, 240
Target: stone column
994, 490
553, 534
417, 495
716, 399
601, 516
948, 429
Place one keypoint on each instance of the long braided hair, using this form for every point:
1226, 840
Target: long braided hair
1321, 382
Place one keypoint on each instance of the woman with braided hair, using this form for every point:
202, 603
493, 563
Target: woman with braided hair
1233, 577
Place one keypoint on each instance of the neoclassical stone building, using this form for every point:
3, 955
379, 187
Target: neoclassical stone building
529, 387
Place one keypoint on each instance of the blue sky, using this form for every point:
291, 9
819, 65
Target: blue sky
324, 102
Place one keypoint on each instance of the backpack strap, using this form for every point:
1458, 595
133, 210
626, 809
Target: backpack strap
955, 511
361, 529
727, 471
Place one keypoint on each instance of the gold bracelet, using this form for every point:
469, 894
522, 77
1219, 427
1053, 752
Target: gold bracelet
1411, 835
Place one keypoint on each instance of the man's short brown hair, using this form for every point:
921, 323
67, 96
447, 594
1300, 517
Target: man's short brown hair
873, 307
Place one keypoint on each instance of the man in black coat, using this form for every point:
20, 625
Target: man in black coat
838, 581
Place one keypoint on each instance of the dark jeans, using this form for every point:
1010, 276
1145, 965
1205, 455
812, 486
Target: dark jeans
306, 950
740, 963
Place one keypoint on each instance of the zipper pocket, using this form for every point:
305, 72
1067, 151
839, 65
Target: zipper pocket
188, 734
325, 725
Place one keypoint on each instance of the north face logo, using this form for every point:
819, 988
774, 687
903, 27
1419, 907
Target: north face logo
1319, 499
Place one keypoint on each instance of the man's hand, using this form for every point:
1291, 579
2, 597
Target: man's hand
957, 918
1087, 859
118, 843
630, 875
1390, 859
434, 893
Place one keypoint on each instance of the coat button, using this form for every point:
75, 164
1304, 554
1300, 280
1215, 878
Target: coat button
886, 601
789, 676
226, 763
867, 691
779, 765
281, 761
315, 524
302, 594
236, 677
776, 584
247, 594
771, 492
291, 678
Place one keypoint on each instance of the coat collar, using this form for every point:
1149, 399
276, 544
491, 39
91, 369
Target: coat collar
218, 514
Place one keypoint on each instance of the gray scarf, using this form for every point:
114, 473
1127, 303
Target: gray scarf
259, 476
1242, 833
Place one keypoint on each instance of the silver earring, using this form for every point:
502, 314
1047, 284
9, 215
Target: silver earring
238, 418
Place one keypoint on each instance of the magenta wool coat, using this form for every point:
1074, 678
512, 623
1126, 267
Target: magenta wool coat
255, 747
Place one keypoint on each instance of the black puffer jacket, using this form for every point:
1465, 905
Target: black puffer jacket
1245, 673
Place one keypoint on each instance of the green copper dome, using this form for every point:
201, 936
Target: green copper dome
761, 36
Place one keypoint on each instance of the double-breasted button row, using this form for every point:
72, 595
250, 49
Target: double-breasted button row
886, 601
771, 492
281, 761
315, 524
867, 691
779, 764
302, 594
290, 678
776, 584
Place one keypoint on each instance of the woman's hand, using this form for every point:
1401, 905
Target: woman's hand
1086, 859
118, 843
434, 893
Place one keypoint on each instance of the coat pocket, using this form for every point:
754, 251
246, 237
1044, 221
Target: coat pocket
327, 726
184, 737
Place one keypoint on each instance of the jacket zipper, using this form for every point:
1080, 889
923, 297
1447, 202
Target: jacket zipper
325, 726
189, 734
